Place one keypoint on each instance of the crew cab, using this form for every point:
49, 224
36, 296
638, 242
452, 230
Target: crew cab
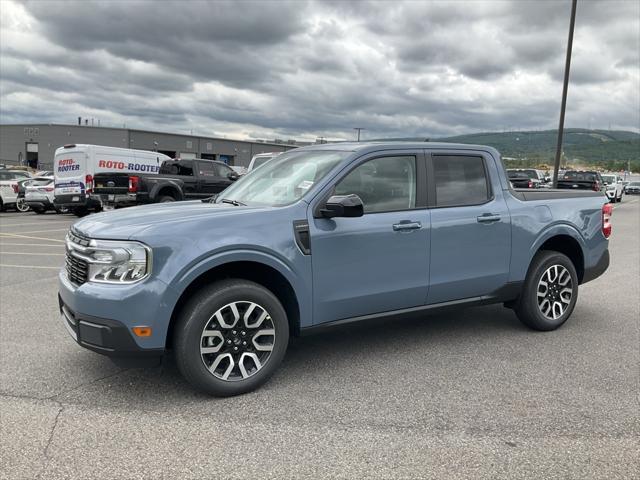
322, 236
176, 180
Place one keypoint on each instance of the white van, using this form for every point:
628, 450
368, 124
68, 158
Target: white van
75, 166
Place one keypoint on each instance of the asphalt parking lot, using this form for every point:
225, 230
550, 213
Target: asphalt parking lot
469, 394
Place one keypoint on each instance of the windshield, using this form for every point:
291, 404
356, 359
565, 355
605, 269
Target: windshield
635, 184
284, 179
609, 178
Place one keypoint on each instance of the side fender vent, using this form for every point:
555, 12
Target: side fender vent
302, 236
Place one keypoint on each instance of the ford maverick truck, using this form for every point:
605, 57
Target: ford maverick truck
322, 236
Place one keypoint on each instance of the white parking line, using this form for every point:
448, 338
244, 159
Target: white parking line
14, 235
40, 231
30, 253
29, 245
2, 225
29, 266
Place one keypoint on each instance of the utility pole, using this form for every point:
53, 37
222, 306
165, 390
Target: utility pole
565, 87
358, 129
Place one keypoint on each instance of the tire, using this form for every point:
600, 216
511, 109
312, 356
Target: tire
531, 308
204, 360
80, 211
166, 199
21, 205
1, 205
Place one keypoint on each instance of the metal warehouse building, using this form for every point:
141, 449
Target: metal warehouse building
35, 144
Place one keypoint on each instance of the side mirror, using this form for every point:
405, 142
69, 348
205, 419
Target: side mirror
343, 206
233, 176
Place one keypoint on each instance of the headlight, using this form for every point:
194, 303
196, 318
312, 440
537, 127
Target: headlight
111, 261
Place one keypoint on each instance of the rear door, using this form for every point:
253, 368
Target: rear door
470, 227
183, 170
70, 170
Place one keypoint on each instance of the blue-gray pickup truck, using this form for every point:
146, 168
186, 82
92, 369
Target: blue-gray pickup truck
322, 236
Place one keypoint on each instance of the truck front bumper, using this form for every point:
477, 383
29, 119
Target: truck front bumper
101, 317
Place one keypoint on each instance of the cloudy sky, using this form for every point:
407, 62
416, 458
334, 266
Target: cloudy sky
319, 68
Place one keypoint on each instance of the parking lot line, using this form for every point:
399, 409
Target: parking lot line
30, 253
2, 225
15, 235
29, 266
29, 245
42, 231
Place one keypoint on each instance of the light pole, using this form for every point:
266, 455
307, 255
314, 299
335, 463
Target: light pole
565, 87
358, 129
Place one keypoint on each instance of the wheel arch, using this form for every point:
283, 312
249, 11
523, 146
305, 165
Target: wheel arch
566, 241
261, 273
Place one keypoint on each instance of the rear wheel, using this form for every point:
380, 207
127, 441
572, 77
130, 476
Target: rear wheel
230, 338
80, 211
549, 293
21, 205
166, 199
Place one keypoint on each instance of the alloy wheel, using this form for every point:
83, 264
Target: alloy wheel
237, 341
555, 290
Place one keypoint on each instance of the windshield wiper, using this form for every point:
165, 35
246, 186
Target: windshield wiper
210, 199
235, 203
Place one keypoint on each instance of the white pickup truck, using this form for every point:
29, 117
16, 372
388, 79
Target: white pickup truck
614, 187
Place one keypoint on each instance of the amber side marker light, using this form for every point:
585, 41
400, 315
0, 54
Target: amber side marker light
142, 331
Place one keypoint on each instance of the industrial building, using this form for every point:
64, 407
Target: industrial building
34, 144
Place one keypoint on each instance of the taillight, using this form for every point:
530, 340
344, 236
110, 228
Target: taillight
530, 184
133, 184
596, 186
88, 182
48, 189
607, 209
15, 187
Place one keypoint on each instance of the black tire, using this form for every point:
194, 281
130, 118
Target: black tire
1, 205
21, 205
198, 313
166, 199
80, 211
527, 308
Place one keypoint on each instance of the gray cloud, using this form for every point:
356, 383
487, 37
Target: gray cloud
319, 68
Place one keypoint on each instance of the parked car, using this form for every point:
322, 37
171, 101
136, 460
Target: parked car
261, 159
75, 167
21, 204
614, 189
582, 180
177, 180
520, 179
322, 236
632, 188
8, 189
39, 196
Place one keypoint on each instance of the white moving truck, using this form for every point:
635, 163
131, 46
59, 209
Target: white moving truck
76, 165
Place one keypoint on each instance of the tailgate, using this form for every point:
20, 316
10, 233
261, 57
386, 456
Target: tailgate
111, 183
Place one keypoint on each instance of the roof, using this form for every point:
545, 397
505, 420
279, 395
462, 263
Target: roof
365, 147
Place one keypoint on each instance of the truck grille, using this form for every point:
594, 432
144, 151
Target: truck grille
77, 269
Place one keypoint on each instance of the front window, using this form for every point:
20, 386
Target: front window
283, 180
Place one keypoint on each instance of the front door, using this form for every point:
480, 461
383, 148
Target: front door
470, 230
378, 262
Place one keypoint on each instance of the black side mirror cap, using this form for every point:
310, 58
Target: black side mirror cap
343, 206
233, 176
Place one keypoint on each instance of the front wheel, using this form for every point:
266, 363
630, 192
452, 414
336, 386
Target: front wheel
549, 293
230, 337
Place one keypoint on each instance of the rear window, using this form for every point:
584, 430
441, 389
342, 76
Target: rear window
460, 180
580, 176
518, 175
177, 168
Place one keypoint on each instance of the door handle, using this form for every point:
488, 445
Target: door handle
406, 225
488, 218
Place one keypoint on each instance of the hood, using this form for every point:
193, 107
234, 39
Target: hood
129, 222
